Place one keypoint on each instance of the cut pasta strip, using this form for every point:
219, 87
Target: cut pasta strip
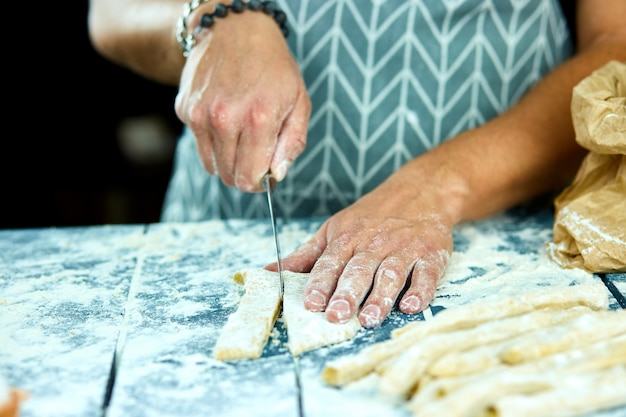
350, 368
404, 373
584, 394
491, 392
593, 296
544, 353
464, 362
595, 357
579, 332
307, 330
247, 330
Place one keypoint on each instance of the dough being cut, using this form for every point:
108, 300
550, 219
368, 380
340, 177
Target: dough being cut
248, 329
307, 330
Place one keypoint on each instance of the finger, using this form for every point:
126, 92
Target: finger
225, 159
207, 156
257, 145
203, 138
225, 133
292, 137
389, 281
426, 274
352, 287
304, 257
324, 275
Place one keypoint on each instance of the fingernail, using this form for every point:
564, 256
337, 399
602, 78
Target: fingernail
340, 308
316, 301
281, 170
370, 316
411, 305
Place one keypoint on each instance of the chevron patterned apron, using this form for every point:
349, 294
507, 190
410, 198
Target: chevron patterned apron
389, 80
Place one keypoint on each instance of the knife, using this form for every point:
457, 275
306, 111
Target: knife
269, 184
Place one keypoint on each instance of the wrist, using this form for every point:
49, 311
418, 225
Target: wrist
432, 177
199, 15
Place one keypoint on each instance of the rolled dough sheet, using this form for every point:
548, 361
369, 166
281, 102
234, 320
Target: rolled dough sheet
247, 330
307, 330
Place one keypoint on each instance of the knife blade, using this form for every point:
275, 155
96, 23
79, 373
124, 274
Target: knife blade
269, 184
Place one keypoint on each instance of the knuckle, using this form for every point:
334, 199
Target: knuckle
357, 269
220, 115
258, 116
392, 273
326, 265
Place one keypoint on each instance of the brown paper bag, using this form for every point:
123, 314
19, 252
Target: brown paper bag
590, 220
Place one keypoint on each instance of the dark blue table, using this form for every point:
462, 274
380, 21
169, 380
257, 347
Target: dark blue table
121, 320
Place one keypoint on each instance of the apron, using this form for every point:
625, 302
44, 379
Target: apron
388, 80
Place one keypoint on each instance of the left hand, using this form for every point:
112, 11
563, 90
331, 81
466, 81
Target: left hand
392, 235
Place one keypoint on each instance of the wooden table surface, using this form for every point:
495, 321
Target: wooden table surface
119, 321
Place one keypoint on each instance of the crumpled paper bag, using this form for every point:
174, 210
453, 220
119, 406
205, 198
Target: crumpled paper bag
590, 220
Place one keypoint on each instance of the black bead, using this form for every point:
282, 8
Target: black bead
206, 20
254, 5
280, 17
269, 7
237, 6
220, 10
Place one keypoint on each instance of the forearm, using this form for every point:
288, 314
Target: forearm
528, 150
142, 37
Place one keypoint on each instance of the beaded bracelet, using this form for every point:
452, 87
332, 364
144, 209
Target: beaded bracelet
188, 41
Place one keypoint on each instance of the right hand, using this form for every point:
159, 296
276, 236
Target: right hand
242, 95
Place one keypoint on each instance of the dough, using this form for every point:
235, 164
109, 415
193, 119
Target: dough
586, 329
592, 296
248, 329
594, 357
547, 393
573, 396
405, 372
551, 348
350, 368
465, 362
307, 330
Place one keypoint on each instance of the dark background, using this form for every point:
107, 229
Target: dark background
63, 163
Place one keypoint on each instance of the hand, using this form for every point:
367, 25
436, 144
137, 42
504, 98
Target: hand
391, 238
242, 95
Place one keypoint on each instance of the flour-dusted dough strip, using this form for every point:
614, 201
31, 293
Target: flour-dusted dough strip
594, 296
247, 330
482, 394
307, 330
346, 369
407, 369
591, 356
471, 399
477, 359
597, 356
602, 354
589, 393
579, 332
